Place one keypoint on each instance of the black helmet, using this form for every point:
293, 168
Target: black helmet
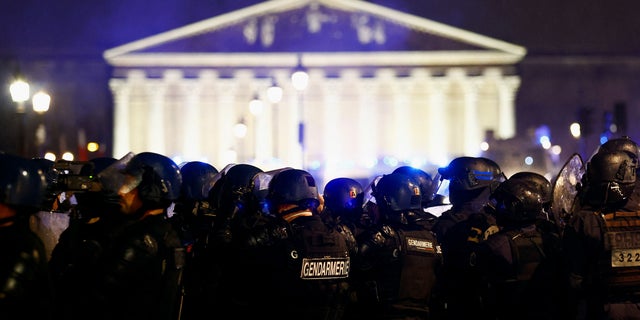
623, 143
196, 180
158, 177
428, 186
539, 181
397, 192
235, 188
344, 197
518, 200
293, 186
609, 178
470, 173
260, 189
22, 182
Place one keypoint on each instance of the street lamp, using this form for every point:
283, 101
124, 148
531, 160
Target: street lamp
41, 102
19, 90
19, 94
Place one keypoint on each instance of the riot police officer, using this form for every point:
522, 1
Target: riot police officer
304, 275
399, 258
626, 144
25, 286
547, 219
343, 199
78, 252
193, 218
461, 228
236, 217
142, 268
522, 263
192, 210
601, 241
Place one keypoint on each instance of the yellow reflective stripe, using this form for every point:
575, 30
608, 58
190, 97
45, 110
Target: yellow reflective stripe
622, 214
622, 223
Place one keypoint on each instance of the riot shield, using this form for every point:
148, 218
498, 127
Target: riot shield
111, 177
565, 188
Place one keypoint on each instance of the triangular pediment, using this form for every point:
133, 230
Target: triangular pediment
316, 27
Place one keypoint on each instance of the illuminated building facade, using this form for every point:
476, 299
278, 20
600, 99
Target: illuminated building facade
385, 88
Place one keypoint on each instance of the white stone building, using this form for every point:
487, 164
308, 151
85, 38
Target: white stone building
385, 88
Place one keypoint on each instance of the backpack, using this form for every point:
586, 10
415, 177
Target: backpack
323, 253
420, 259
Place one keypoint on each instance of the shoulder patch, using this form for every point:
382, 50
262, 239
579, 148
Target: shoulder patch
420, 245
324, 268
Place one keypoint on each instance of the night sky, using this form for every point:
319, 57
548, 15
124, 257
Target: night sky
546, 27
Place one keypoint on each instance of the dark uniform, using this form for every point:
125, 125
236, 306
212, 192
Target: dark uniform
78, 251
460, 229
601, 241
193, 219
522, 263
343, 200
399, 258
236, 217
142, 268
302, 273
26, 290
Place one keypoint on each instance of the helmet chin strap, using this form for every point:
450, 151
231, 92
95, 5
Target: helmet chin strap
295, 212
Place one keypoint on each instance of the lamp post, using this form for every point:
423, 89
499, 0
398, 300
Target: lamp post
300, 81
20, 94
41, 102
274, 95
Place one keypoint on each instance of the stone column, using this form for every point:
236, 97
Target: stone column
192, 124
155, 134
121, 93
507, 90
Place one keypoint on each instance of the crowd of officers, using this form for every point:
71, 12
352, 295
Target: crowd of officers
150, 239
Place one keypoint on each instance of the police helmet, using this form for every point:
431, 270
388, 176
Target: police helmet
157, 177
235, 188
610, 177
428, 186
539, 181
623, 143
344, 197
196, 180
470, 173
293, 186
397, 192
518, 200
22, 182
260, 189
